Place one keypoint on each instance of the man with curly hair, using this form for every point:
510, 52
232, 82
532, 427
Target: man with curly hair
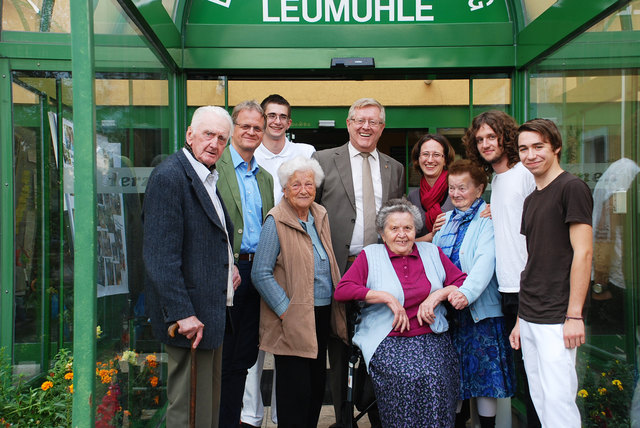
491, 142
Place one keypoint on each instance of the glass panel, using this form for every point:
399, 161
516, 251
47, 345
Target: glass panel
43, 263
591, 89
534, 8
169, 6
132, 130
36, 15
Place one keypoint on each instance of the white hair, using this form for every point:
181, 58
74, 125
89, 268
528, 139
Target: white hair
400, 205
300, 163
200, 113
365, 102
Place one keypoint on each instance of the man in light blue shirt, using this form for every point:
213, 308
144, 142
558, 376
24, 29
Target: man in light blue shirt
247, 192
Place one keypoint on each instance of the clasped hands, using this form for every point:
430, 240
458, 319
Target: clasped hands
426, 310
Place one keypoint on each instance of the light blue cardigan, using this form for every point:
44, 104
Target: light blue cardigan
478, 261
377, 319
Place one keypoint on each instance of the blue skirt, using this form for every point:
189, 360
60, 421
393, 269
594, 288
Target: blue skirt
486, 359
415, 381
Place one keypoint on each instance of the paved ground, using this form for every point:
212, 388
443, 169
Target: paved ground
327, 417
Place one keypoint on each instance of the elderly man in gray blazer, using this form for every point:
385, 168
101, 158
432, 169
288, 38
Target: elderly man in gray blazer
190, 274
351, 203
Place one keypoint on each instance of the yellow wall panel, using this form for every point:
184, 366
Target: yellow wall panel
205, 92
23, 96
492, 91
344, 93
150, 92
112, 92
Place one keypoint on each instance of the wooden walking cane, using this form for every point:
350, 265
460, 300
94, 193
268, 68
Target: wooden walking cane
194, 377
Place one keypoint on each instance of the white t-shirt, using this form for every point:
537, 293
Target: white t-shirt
508, 192
271, 162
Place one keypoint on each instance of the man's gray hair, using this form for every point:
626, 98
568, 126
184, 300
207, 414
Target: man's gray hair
398, 206
201, 112
247, 105
366, 102
300, 163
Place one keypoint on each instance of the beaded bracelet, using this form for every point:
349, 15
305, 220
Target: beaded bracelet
567, 317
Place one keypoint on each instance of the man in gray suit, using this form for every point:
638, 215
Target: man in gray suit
189, 264
341, 194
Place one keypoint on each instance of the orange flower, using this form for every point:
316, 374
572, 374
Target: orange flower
71, 388
151, 357
128, 413
105, 379
46, 385
153, 380
156, 399
68, 376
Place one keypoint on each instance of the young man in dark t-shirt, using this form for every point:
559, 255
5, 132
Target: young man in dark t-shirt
556, 221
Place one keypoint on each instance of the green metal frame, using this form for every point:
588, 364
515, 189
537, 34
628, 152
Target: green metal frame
43, 196
558, 24
7, 227
174, 44
84, 316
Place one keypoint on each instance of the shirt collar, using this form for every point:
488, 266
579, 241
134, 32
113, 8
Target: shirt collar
353, 152
202, 171
238, 161
414, 252
268, 154
307, 223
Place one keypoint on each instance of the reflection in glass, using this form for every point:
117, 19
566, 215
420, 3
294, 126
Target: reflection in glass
589, 87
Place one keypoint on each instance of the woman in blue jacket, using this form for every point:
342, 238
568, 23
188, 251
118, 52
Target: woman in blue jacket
479, 336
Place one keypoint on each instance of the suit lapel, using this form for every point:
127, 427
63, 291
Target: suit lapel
343, 165
201, 192
385, 175
228, 179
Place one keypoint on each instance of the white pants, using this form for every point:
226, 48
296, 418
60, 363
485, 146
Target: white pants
551, 370
252, 407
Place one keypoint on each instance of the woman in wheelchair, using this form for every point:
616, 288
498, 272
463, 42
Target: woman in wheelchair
486, 366
403, 330
295, 271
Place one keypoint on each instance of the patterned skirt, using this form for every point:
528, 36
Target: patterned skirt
486, 359
415, 381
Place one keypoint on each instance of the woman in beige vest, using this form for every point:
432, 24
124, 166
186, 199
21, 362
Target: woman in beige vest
295, 272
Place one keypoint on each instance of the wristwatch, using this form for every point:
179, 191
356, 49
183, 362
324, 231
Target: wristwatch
598, 288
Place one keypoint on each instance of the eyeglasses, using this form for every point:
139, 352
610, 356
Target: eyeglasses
372, 123
434, 155
246, 128
274, 116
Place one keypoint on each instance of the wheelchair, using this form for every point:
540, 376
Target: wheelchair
360, 395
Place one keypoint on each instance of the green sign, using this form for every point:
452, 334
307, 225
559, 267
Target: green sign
351, 12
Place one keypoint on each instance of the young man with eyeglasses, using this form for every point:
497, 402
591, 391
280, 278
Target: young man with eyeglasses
275, 149
247, 192
491, 142
343, 195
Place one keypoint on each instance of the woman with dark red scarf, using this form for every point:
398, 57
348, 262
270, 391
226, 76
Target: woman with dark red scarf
431, 157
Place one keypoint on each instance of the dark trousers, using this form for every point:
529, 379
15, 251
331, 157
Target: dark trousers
240, 346
300, 382
510, 311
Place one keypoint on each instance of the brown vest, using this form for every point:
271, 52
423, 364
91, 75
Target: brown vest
294, 272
